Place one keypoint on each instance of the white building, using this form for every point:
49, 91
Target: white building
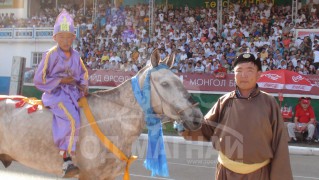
29, 43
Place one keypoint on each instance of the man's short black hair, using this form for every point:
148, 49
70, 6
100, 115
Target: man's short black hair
247, 57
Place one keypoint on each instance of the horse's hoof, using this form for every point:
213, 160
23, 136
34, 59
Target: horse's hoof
6, 163
71, 171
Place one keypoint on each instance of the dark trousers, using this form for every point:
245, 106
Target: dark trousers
316, 135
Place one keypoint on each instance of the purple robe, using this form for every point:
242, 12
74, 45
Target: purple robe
62, 98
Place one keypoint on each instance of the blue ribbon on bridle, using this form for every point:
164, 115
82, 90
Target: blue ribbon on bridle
156, 156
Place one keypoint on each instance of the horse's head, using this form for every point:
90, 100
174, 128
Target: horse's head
168, 94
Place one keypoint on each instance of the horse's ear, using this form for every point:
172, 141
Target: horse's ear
155, 58
170, 60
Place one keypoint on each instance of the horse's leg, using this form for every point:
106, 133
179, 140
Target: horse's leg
82, 177
6, 160
87, 176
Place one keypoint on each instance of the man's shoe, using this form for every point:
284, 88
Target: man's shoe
309, 140
69, 170
316, 140
293, 140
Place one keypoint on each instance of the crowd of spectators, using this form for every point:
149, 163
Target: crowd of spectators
119, 39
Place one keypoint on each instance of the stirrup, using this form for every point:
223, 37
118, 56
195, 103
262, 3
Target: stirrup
69, 170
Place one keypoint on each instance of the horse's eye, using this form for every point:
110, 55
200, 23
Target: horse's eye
165, 84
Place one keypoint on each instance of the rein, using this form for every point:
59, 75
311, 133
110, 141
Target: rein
170, 104
106, 142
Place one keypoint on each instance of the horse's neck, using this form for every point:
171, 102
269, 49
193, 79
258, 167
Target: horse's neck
118, 114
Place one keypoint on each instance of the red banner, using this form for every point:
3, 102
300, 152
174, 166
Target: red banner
193, 82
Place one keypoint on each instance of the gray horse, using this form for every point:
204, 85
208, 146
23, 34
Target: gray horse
27, 138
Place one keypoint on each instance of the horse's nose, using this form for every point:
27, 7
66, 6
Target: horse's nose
196, 123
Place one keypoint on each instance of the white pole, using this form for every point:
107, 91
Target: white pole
29, 8
84, 8
166, 6
93, 10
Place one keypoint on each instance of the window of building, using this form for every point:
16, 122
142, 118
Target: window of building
36, 58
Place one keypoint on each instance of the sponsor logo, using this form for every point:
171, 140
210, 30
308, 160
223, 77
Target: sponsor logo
272, 76
297, 78
270, 85
298, 87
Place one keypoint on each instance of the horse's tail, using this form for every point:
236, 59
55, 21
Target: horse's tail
6, 160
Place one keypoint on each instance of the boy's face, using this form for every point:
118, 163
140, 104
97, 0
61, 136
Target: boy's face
64, 40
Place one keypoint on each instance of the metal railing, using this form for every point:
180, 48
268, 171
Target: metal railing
30, 33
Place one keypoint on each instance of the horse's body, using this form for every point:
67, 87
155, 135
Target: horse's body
27, 138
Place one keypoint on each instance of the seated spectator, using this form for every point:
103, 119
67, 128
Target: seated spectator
298, 70
264, 66
105, 56
220, 72
263, 54
290, 68
272, 65
115, 58
114, 66
282, 65
199, 68
93, 63
230, 56
287, 114
211, 67
189, 68
134, 66
125, 66
298, 106
106, 65
315, 54
270, 35
312, 69
304, 121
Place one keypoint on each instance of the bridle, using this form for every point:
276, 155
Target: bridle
164, 101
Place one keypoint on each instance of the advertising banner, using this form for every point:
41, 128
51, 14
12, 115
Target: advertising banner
196, 83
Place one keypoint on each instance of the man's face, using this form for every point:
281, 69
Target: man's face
246, 75
64, 40
304, 105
